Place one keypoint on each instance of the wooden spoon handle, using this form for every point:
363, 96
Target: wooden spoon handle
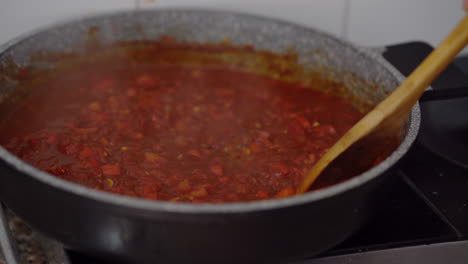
399, 103
405, 96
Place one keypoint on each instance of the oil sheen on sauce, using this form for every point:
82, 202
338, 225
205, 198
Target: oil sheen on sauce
178, 133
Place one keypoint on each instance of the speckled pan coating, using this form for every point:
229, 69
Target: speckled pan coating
141, 231
316, 50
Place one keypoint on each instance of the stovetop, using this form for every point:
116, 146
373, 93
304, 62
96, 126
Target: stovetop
425, 218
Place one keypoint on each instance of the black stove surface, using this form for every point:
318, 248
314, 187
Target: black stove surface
425, 219
426, 212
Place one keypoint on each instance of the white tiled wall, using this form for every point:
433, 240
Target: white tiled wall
377, 22
366, 22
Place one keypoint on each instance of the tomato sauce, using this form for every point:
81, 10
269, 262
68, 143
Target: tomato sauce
178, 133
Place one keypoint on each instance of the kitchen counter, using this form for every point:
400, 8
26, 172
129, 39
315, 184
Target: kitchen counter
26, 241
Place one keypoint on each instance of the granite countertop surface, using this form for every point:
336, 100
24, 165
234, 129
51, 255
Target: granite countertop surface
27, 241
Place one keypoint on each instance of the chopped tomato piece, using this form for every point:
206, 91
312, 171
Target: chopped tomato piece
184, 185
86, 152
217, 169
110, 170
51, 139
255, 148
71, 149
198, 193
304, 122
146, 80
224, 179
195, 153
262, 195
153, 157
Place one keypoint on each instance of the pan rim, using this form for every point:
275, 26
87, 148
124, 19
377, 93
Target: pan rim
224, 208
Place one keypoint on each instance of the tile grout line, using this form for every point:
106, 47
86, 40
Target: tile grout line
346, 20
137, 5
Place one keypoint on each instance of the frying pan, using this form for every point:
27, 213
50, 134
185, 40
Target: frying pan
125, 229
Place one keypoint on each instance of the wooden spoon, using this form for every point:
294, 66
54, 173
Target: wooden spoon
390, 114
